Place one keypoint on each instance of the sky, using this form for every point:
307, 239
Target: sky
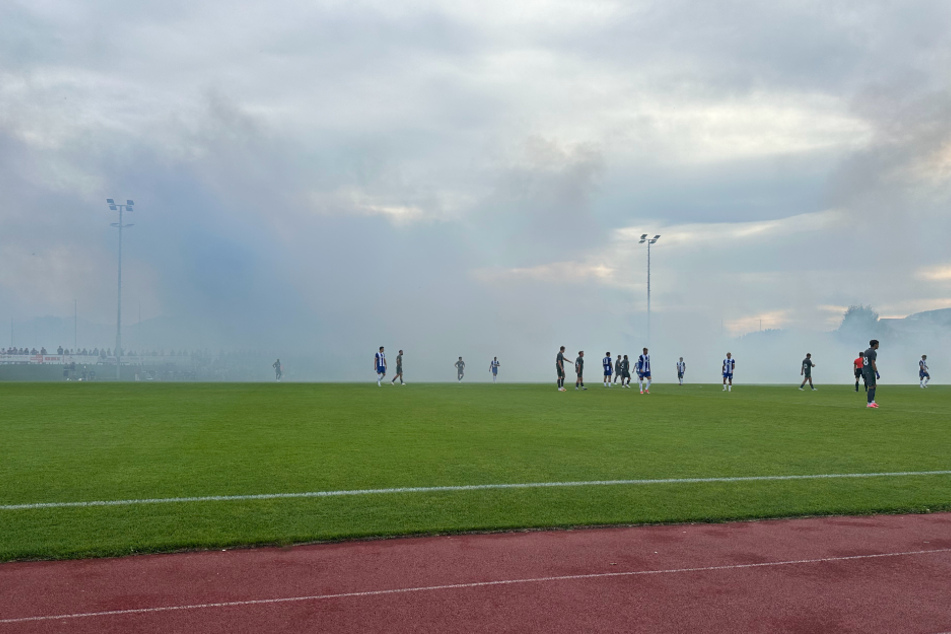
317, 179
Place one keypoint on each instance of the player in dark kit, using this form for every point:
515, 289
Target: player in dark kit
399, 369
625, 372
278, 370
617, 370
806, 372
579, 370
871, 371
560, 369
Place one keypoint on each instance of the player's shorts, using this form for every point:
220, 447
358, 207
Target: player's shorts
580, 373
560, 372
923, 375
807, 374
870, 379
625, 375
728, 375
495, 370
643, 375
858, 373
680, 375
607, 372
399, 369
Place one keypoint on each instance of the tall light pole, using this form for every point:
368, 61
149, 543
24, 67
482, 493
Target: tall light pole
649, 242
120, 208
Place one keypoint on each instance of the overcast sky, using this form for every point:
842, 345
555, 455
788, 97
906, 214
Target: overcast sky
471, 178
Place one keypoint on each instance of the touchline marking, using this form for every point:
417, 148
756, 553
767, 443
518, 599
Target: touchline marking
456, 586
469, 487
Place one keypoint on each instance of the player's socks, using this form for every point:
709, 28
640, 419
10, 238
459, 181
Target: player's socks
729, 388
648, 385
871, 395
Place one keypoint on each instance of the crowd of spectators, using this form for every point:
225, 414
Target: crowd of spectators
32, 351
104, 353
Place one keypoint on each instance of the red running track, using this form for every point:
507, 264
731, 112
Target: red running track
871, 574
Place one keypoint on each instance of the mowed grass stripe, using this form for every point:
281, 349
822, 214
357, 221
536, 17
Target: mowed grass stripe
159, 441
446, 489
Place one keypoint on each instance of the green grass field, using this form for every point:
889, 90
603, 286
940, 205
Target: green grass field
83, 442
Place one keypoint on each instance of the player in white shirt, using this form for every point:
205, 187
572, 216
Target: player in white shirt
608, 368
923, 375
379, 362
494, 368
681, 369
728, 365
644, 372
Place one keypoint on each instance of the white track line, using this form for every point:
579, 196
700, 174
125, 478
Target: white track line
472, 487
457, 586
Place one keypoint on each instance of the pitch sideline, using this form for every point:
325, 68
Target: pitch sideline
471, 487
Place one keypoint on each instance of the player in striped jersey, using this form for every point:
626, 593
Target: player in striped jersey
379, 362
644, 372
494, 368
681, 369
923, 375
608, 367
728, 365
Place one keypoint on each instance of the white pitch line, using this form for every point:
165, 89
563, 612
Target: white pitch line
458, 586
470, 487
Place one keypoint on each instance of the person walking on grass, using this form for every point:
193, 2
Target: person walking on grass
560, 369
806, 372
494, 368
729, 364
379, 362
399, 369
625, 372
579, 371
681, 370
460, 369
859, 371
644, 372
871, 372
923, 376
617, 370
278, 370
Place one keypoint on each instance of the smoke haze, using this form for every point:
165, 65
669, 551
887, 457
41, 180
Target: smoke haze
314, 180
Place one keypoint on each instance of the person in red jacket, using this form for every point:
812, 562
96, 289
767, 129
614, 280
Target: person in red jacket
858, 366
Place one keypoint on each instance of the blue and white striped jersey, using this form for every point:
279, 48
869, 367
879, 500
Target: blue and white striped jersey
607, 363
923, 366
644, 363
728, 365
380, 359
681, 367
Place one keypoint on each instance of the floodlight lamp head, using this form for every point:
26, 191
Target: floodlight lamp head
129, 203
113, 207
643, 236
657, 236
110, 201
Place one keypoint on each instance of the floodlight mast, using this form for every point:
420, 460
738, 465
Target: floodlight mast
114, 206
649, 242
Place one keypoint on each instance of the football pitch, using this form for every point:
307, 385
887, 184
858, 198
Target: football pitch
681, 454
